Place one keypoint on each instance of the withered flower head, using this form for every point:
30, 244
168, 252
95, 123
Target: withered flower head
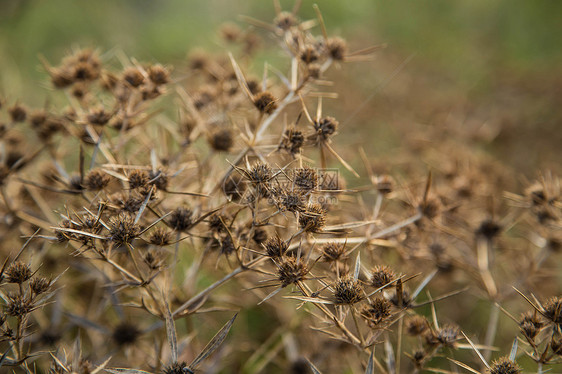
158, 74
265, 102
158, 178
381, 276
333, 251
376, 312
259, 174
18, 305
18, 272
290, 200
446, 336
230, 32
96, 180
99, 116
285, 20
384, 184
504, 365
176, 368
160, 237
61, 77
325, 127
291, 271
488, 229
416, 325
181, 219
152, 261
305, 178
221, 140
430, 207
309, 54
38, 117
292, 140
553, 309
313, 219
337, 48
17, 113
138, 178
347, 291
123, 229
39, 285
133, 76
275, 247
217, 223
125, 333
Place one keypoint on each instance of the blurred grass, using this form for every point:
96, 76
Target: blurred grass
471, 39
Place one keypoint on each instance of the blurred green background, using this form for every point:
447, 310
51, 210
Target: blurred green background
469, 38
499, 61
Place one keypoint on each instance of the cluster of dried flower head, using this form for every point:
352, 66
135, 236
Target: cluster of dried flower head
143, 188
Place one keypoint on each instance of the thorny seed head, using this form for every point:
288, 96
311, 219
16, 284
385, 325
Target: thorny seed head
430, 207
309, 54
18, 305
99, 116
17, 113
259, 174
347, 291
291, 271
275, 247
96, 180
416, 325
325, 127
221, 140
160, 237
217, 223
39, 285
133, 76
530, 324
176, 368
138, 178
553, 309
289, 200
18, 272
333, 251
504, 365
125, 333
123, 229
265, 102
381, 276
305, 178
314, 70
336, 48
404, 302
158, 74
445, 336
285, 21
488, 229
159, 179
227, 245
292, 140
384, 184
313, 219
75, 183
152, 261
376, 312
181, 219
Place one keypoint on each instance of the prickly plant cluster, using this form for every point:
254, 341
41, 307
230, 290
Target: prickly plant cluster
156, 204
